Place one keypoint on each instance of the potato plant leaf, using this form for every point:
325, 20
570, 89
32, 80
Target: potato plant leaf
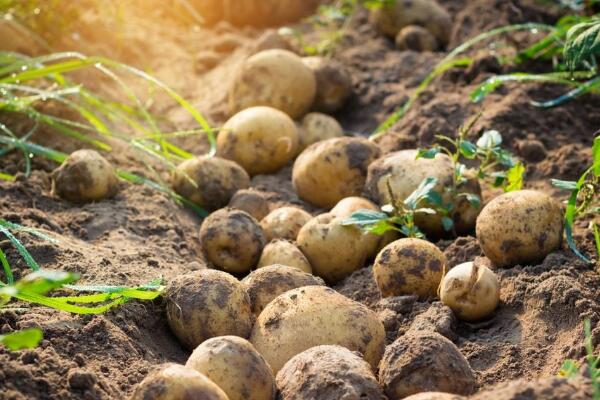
24, 339
429, 153
514, 177
424, 192
468, 149
364, 217
583, 42
567, 185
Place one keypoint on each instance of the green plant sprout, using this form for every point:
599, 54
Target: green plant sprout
570, 369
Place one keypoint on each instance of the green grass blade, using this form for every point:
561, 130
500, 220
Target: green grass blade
24, 339
7, 177
7, 270
583, 88
20, 248
493, 83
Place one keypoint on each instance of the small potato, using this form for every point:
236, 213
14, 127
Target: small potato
236, 367
286, 253
251, 201
316, 127
409, 266
274, 78
315, 315
269, 40
309, 375
284, 223
176, 382
416, 38
520, 227
85, 176
424, 361
216, 181
471, 291
327, 171
435, 396
334, 84
232, 240
265, 284
260, 139
207, 303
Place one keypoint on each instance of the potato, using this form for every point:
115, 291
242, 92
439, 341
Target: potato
471, 291
251, 201
271, 39
265, 284
405, 173
284, 223
435, 396
424, 361
275, 78
176, 382
207, 303
316, 127
232, 240
390, 19
236, 367
416, 38
216, 181
327, 171
310, 375
334, 84
286, 253
85, 176
520, 227
409, 266
260, 139
311, 316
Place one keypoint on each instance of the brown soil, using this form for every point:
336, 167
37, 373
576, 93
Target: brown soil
140, 234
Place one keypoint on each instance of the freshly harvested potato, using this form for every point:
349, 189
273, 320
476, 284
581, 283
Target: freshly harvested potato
309, 375
275, 78
416, 38
327, 171
251, 201
316, 127
260, 139
471, 291
409, 266
271, 39
265, 284
284, 223
286, 253
236, 367
207, 303
424, 361
334, 84
232, 240
435, 396
314, 315
85, 176
208, 181
176, 382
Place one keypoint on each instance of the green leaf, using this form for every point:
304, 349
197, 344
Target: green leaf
44, 281
468, 149
473, 199
429, 153
504, 157
583, 42
424, 191
567, 185
596, 156
364, 217
489, 140
515, 178
447, 223
24, 339
381, 227
569, 369
596, 231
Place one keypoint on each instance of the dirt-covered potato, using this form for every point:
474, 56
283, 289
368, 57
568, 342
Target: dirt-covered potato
435, 396
327, 171
260, 139
251, 201
208, 181
232, 240
405, 173
207, 303
310, 375
265, 284
236, 367
315, 315
274, 78
424, 361
520, 227
286, 253
284, 223
85, 176
416, 38
176, 382
334, 84
316, 127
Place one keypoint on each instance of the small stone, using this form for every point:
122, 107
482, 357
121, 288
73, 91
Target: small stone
81, 379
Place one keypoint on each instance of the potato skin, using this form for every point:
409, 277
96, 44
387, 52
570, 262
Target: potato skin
284, 252
207, 303
334, 84
409, 266
236, 367
265, 284
232, 240
284, 223
520, 227
260, 139
251, 201
316, 127
328, 372
416, 38
275, 78
311, 316
327, 171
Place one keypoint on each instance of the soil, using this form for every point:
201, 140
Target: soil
141, 234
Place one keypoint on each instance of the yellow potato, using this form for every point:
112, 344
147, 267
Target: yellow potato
251, 201
316, 127
286, 253
416, 38
284, 223
334, 84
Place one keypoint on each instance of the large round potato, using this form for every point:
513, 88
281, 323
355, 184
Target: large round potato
416, 38
260, 139
327, 171
251, 201
207, 303
232, 240
236, 367
520, 227
286, 253
314, 315
316, 127
284, 223
275, 78
334, 84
